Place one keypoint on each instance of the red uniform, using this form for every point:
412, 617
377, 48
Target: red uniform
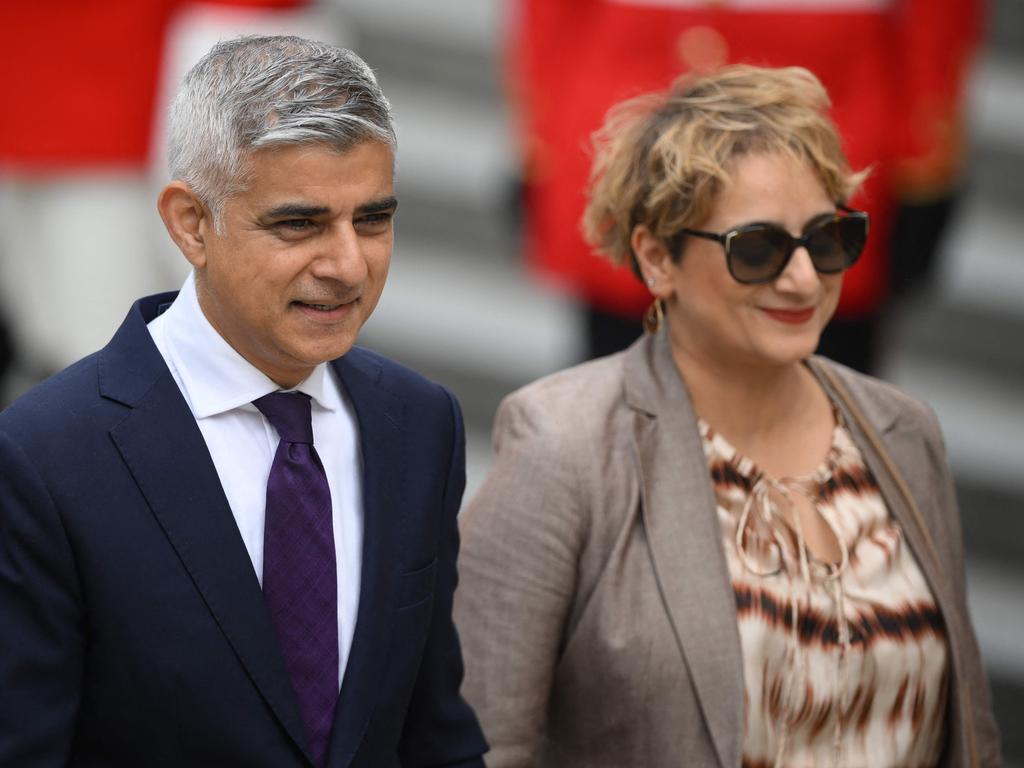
82, 77
78, 229
893, 68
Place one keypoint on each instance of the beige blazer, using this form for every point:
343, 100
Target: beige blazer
596, 613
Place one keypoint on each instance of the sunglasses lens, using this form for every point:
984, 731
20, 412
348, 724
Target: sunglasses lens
758, 254
836, 244
853, 232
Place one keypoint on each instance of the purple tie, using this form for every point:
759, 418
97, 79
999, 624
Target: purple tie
299, 576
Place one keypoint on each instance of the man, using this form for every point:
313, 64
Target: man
230, 513
70, 165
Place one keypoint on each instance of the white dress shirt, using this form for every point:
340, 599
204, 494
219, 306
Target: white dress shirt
219, 386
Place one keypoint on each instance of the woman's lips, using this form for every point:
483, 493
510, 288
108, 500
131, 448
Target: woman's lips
790, 316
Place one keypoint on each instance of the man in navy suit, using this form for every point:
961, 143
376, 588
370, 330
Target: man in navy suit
228, 538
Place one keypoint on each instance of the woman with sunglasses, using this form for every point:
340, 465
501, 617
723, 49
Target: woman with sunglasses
715, 549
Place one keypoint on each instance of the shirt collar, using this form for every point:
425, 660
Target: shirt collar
215, 377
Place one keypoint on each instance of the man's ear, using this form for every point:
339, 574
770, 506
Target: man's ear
654, 260
187, 220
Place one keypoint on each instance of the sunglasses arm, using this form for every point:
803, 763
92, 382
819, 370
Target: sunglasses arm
706, 235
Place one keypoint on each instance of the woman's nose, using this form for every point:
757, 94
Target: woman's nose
799, 276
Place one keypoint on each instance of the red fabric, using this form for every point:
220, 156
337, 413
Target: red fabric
82, 76
937, 38
570, 60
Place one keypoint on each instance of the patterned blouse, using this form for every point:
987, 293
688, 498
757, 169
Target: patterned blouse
844, 664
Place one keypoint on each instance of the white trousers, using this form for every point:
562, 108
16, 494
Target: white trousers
75, 252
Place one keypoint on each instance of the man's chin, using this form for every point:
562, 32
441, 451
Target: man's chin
317, 353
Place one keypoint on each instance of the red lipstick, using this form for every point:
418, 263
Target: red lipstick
790, 316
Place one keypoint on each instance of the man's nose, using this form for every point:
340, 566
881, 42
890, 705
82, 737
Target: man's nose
340, 256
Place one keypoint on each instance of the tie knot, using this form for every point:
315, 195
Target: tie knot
290, 413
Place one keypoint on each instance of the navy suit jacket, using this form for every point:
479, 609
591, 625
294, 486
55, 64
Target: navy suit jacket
133, 630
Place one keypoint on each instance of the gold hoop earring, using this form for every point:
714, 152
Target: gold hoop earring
654, 317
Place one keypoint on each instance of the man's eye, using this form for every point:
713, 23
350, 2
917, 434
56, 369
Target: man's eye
296, 225
374, 222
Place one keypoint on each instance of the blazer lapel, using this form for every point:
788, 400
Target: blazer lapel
899, 441
166, 454
382, 442
903, 443
685, 539
885, 421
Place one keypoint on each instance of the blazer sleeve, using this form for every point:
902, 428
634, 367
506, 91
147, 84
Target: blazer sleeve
973, 678
440, 728
41, 635
521, 538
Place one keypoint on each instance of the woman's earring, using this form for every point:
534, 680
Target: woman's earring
654, 317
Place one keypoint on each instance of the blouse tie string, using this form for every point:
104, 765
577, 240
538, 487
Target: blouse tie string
760, 510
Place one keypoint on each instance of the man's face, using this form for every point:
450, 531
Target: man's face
302, 256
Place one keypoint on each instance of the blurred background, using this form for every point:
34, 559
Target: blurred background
81, 162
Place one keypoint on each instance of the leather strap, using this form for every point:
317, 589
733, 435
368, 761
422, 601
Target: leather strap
872, 437
825, 372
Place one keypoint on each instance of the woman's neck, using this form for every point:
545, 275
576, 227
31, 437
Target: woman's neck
751, 404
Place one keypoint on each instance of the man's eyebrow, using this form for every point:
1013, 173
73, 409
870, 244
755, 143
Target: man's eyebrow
295, 211
378, 206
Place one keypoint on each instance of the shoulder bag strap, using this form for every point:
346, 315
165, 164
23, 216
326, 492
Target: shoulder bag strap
872, 437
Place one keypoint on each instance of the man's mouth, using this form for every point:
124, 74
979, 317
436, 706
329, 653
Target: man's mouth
326, 311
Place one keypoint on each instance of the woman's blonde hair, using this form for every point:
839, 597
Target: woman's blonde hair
660, 159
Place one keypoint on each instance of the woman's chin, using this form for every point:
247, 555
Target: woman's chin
788, 351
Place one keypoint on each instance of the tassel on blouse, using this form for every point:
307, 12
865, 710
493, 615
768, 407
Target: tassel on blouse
761, 508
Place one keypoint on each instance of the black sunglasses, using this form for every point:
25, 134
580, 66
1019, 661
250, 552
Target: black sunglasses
759, 253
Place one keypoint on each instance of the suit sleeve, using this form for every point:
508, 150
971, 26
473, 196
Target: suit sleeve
521, 540
41, 637
440, 728
987, 742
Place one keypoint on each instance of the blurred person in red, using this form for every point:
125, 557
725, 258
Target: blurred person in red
895, 70
79, 235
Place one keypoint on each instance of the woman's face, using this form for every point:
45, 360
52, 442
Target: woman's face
774, 324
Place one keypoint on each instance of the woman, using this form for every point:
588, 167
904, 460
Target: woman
713, 549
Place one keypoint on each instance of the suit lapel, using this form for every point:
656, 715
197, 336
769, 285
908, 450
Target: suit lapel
685, 539
166, 454
382, 442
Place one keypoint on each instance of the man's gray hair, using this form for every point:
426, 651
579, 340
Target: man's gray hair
255, 92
